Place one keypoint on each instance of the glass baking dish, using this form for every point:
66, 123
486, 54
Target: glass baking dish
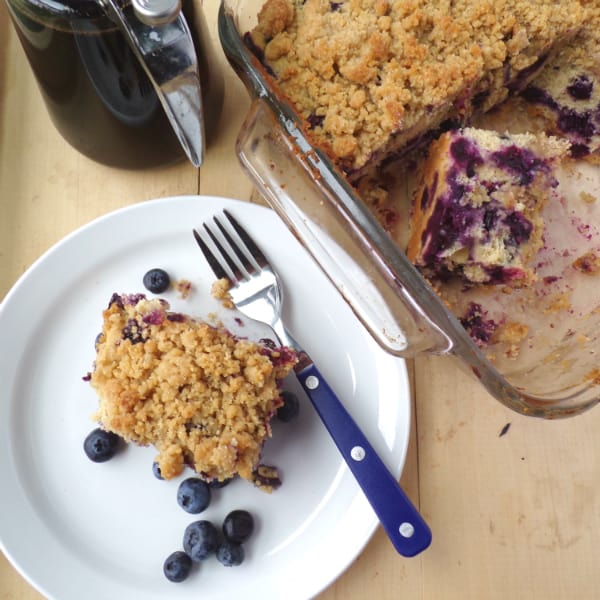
556, 377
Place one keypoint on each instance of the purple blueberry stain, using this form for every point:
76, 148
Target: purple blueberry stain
479, 327
490, 218
315, 120
466, 155
578, 150
115, 299
154, 317
578, 123
521, 162
176, 318
537, 95
133, 331
520, 227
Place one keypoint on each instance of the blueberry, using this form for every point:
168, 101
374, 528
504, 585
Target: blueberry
200, 540
157, 281
290, 408
99, 339
315, 120
101, 445
238, 526
156, 470
230, 554
177, 567
520, 227
581, 88
193, 495
466, 154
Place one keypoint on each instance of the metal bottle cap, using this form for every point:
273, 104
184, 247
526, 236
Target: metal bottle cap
156, 12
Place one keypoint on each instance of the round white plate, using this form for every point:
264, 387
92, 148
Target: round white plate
77, 529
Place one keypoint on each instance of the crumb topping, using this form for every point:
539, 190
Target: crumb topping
184, 287
588, 263
201, 396
220, 291
371, 76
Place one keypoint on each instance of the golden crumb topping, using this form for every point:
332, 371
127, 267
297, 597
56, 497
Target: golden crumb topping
371, 76
201, 396
220, 291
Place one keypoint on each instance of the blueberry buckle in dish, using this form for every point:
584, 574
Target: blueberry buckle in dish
477, 205
372, 80
203, 397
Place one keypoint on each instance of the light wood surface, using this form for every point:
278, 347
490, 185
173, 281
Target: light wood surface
513, 516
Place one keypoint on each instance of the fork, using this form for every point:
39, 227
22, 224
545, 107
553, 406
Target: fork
256, 291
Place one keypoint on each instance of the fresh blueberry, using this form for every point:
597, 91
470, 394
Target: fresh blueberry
193, 495
101, 445
99, 339
238, 526
200, 540
177, 567
290, 408
157, 281
230, 554
156, 470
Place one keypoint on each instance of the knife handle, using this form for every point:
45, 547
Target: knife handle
403, 524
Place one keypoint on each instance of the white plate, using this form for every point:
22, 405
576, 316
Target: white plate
76, 529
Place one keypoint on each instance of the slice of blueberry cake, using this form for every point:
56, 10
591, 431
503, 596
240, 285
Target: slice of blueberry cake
477, 206
201, 396
566, 95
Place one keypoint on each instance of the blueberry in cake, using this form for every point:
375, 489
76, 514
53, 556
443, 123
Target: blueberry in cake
373, 79
566, 95
201, 396
477, 205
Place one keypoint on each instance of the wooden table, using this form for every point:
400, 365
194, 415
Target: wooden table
513, 516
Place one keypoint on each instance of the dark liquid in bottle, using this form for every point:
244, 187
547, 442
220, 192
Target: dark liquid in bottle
97, 92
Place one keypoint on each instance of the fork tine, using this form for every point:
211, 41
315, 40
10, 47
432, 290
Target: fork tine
254, 250
250, 268
211, 259
237, 274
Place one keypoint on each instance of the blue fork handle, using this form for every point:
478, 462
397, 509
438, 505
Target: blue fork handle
403, 524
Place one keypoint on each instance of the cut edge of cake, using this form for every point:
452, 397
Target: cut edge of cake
477, 207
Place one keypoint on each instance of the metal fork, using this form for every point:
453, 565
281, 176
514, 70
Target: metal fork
257, 293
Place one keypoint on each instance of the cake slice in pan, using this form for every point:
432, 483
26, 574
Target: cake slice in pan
477, 206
